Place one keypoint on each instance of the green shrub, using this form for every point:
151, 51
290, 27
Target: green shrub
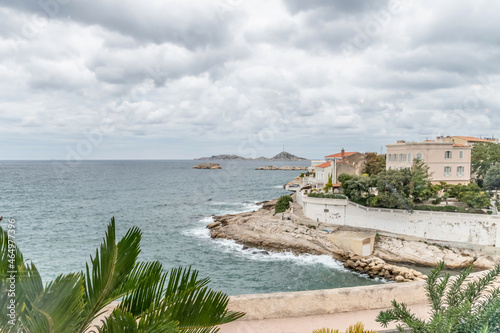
282, 204
437, 201
437, 208
459, 305
325, 195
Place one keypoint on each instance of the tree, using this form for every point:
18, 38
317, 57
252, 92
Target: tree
394, 189
357, 188
374, 164
483, 156
420, 185
492, 178
455, 306
151, 300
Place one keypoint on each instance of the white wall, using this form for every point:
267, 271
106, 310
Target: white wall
477, 229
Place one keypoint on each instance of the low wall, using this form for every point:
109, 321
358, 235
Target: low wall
321, 302
476, 229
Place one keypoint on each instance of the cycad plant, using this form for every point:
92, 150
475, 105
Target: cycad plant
151, 300
457, 306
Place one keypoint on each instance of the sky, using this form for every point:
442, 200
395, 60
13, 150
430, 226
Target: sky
177, 79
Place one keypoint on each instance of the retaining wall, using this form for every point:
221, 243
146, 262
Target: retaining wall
476, 229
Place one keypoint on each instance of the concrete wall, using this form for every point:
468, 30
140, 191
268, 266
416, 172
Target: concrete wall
320, 302
324, 210
476, 229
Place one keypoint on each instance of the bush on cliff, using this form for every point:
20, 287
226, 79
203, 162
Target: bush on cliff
282, 204
151, 300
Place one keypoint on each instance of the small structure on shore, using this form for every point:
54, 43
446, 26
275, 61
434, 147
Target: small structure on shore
211, 166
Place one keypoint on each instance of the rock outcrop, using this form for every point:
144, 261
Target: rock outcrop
426, 254
207, 166
295, 233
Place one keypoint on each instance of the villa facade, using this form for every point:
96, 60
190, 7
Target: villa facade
448, 162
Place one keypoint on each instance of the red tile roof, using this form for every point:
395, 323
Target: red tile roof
340, 154
324, 165
471, 138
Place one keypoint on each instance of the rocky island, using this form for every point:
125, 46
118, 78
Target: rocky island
211, 166
283, 156
290, 168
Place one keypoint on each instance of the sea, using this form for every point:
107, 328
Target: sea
61, 211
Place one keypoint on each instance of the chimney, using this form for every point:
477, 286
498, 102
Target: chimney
342, 154
401, 141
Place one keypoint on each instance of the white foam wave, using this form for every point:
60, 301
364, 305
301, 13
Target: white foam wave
230, 246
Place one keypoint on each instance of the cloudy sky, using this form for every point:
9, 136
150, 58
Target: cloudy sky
177, 79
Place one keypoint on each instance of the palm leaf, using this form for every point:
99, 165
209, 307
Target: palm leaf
59, 308
147, 281
196, 307
121, 321
110, 267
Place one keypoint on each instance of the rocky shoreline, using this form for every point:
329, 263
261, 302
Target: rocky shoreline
286, 232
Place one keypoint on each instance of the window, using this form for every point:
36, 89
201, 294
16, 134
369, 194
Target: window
402, 157
447, 171
447, 154
409, 157
420, 156
460, 171
461, 154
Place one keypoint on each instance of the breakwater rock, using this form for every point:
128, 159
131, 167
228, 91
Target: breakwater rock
376, 267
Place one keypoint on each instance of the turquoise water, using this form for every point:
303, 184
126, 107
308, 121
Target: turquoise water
62, 211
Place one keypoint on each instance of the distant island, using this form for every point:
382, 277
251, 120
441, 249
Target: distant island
283, 156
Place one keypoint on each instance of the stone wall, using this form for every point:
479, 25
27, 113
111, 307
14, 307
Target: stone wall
476, 229
320, 302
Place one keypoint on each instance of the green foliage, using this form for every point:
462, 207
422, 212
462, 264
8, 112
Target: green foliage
374, 164
327, 195
282, 204
420, 186
483, 156
475, 199
394, 189
152, 300
471, 194
343, 177
329, 184
456, 306
357, 187
437, 208
492, 177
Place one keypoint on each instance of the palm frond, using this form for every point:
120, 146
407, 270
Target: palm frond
122, 321
196, 307
59, 308
147, 282
110, 267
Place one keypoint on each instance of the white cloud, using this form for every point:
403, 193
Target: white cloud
222, 72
